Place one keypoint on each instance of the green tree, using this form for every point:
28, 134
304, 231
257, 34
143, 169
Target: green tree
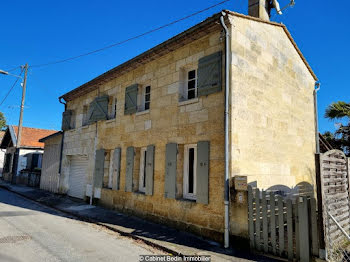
2, 121
341, 138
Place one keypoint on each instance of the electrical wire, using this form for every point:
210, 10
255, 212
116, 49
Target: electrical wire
3, 100
129, 39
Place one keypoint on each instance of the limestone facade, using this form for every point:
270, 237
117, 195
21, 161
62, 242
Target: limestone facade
272, 127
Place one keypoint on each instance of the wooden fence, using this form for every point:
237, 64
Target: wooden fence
282, 226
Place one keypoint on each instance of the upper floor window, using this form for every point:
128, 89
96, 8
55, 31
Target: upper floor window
190, 168
147, 97
144, 98
112, 108
85, 115
191, 84
188, 84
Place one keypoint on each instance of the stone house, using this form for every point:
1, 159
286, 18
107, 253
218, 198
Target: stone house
148, 136
30, 152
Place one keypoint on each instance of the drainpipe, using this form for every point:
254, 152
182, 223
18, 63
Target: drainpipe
227, 92
317, 87
61, 149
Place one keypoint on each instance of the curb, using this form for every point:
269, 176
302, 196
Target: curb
92, 221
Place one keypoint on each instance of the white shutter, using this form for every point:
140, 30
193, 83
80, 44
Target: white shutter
77, 176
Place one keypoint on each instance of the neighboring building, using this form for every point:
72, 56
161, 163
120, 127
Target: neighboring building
149, 134
2, 153
51, 162
31, 150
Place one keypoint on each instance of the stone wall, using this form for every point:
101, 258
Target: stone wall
168, 120
273, 122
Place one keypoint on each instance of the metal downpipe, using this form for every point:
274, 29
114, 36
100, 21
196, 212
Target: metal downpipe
227, 92
317, 87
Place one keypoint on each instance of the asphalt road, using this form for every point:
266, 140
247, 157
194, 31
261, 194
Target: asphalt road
32, 232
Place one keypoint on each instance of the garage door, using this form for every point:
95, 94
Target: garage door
77, 176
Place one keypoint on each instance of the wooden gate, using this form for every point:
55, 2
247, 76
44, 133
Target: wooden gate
283, 226
334, 174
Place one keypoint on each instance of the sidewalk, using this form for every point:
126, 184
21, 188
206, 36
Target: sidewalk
168, 239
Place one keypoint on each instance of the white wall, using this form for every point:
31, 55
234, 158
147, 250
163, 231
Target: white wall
2, 158
22, 161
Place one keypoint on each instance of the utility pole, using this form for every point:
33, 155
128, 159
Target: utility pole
19, 131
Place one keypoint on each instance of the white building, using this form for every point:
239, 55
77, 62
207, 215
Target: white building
30, 153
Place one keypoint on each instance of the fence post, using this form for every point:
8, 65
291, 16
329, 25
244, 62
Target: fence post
280, 225
313, 220
296, 221
273, 222
264, 218
257, 219
290, 229
320, 221
303, 230
251, 217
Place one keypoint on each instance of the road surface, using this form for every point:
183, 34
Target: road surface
33, 232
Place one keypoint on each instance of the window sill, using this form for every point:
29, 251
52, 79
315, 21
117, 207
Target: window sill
138, 192
188, 102
110, 120
144, 112
85, 126
189, 200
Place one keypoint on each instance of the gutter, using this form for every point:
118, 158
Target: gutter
317, 137
227, 156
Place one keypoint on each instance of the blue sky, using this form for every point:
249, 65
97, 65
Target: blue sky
36, 32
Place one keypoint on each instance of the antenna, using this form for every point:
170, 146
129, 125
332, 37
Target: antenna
275, 4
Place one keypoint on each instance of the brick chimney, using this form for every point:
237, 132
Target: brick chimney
259, 9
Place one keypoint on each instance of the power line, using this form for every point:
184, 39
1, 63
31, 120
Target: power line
130, 39
11, 88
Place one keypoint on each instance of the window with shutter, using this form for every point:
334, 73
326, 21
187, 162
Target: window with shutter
149, 169
98, 109
170, 170
67, 120
130, 152
202, 172
210, 74
99, 168
131, 99
143, 166
116, 168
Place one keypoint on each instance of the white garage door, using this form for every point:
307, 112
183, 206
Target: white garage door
77, 176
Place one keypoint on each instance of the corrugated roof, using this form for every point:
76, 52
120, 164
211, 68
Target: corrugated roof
190, 35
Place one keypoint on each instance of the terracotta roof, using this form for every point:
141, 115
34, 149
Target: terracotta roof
31, 136
208, 25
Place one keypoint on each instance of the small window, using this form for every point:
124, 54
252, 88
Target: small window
191, 84
142, 176
147, 97
190, 167
112, 108
85, 115
144, 98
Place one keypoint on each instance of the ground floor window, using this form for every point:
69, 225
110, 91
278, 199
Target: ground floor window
190, 166
142, 176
